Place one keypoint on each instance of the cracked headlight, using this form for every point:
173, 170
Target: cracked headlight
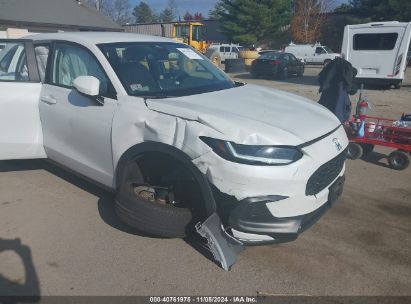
254, 154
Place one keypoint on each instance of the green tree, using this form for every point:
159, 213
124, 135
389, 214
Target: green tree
188, 16
379, 10
253, 21
144, 13
169, 14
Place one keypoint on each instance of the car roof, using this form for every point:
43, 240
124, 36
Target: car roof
99, 37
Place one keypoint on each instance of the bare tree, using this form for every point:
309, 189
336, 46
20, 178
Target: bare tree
309, 17
118, 10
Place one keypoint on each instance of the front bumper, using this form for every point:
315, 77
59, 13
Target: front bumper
253, 224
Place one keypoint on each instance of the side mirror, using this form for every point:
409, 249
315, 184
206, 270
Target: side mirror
87, 85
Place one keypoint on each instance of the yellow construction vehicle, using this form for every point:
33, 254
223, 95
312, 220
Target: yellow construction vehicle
191, 33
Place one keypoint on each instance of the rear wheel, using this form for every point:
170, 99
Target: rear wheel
355, 151
399, 160
397, 85
301, 71
284, 73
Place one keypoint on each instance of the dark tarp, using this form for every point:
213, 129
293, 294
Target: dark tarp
336, 82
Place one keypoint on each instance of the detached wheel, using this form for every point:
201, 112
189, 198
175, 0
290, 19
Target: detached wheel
399, 160
355, 151
159, 196
140, 207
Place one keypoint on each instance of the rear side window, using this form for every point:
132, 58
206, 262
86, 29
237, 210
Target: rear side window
13, 63
375, 42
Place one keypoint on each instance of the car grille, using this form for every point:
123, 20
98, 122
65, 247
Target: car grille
325, 174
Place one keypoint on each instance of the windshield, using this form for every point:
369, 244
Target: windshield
328, 50
163, 69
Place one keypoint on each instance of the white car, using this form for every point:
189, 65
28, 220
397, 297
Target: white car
178, 141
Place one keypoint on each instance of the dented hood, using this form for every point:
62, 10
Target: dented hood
252, 114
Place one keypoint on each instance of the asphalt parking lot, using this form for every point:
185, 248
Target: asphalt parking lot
71, 243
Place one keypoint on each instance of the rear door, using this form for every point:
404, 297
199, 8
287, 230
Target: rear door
20, 127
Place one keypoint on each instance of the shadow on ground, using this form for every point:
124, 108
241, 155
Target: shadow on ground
376, 158
13, 291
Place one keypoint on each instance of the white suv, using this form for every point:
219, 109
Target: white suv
227, 51
177, 140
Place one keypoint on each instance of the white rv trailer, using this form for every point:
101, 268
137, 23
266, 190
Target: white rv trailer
378, 51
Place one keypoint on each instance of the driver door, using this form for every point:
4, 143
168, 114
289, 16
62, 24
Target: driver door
21, 134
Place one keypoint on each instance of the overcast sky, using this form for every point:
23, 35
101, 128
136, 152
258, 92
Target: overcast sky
192, 6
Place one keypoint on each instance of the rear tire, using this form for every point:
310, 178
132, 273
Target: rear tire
284, 73
355, 151
301, 72
399, 160
397, 85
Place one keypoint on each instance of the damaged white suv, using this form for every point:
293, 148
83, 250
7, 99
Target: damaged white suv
171, 134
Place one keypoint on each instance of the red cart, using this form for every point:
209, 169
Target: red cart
381, 132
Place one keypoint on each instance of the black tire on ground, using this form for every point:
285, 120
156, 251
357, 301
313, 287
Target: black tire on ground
284, 73
301, 71
150, 217
234, 65
355, 151
327, 61
399, 160
214, 56
367, 149
397, 85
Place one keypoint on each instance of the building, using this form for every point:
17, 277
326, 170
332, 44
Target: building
20, 17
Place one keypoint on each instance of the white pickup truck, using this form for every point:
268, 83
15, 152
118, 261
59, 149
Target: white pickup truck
177, 140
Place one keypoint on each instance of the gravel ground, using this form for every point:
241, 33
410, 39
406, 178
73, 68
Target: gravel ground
70, 242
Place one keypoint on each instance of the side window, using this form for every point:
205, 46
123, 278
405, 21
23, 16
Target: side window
13, 62
42, 54
319, 50
235, 50
221, 49
286, 57
70, 61
227, 49
292, 57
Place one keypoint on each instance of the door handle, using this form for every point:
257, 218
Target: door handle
48, 99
